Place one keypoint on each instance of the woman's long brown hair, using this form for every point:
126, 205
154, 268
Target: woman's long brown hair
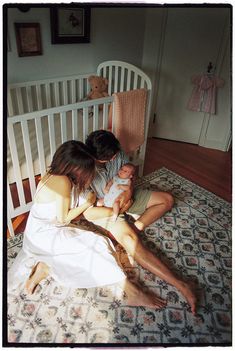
73, 160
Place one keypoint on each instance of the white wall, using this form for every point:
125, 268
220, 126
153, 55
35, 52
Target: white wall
116, 33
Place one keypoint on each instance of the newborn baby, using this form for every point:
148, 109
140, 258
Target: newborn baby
121, 182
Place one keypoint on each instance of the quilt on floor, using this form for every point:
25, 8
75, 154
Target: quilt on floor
194, 238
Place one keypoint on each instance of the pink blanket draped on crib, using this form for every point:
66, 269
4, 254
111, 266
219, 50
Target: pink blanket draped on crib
129, 118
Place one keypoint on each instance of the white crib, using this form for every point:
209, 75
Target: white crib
45, 113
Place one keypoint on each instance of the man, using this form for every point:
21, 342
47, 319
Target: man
149, 205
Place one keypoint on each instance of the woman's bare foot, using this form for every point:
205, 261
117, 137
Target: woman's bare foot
39, 272
187, 291
136, 297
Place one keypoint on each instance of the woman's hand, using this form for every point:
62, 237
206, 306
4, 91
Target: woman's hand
125, 199
91, 198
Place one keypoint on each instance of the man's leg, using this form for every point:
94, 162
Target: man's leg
158, 204
128, 238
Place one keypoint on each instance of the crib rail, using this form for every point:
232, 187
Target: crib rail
38, 136
43, 94
123, 76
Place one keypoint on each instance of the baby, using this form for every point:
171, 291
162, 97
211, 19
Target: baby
115, 187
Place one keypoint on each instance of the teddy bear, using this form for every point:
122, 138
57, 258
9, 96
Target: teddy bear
99, 87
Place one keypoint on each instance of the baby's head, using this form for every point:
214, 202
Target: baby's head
126, 171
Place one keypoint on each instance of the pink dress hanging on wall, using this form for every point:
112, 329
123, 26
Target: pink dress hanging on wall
203, 98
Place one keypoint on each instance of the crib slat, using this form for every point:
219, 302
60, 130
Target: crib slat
105, 116
51, 125
65, 92
39, 96
88, 88
73, 91
28, 155
29, 98
63, 126
96, 117
85, 124
75, 124
142, 83
57, 93
9, 200
15, 163
9, 103
10, 211
48, 95
122, 79
116, 80
81, 88
110, 80
9, 225
19, 100
135, 81
128, 84
42, 164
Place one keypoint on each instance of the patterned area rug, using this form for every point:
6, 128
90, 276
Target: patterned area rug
194, 238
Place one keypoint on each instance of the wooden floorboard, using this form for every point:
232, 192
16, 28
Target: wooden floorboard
211, 169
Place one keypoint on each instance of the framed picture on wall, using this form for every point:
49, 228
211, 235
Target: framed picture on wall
70, 25
28, 39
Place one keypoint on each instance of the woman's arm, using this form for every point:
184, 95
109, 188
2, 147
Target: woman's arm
64, 213
75, 212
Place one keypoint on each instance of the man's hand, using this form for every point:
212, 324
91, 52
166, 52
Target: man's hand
127, 206
125, 200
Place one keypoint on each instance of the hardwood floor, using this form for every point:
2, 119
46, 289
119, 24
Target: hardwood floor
211, 169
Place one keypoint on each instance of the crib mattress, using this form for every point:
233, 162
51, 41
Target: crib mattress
46, 142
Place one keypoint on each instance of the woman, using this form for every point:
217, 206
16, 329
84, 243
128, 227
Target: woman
52, 245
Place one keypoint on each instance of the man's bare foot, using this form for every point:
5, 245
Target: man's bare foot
187, 291
137, 297
39, 272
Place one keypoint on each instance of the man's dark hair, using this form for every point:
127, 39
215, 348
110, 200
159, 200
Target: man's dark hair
103, 145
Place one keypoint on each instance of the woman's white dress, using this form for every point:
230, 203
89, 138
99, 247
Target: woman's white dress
76, 257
